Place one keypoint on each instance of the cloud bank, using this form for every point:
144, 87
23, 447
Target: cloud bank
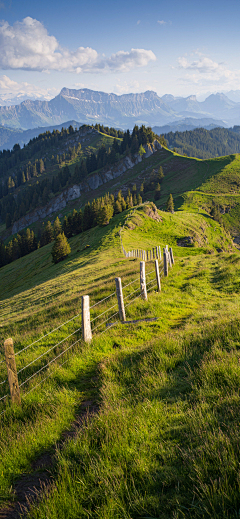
204, 71
27, 46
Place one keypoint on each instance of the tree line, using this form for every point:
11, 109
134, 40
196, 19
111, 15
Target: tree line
205, 144
14, 207
98, 212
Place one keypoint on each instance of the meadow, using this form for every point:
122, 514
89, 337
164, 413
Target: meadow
143, 422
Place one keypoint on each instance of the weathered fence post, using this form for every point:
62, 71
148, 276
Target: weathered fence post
121, 308
153, 252
147, 255
158, 275
156, 252
165, 263
86, 325
12, 372
171, 255
143, 280
160, 255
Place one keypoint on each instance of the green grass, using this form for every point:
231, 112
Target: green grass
168, 390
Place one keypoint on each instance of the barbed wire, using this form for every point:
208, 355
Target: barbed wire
134, 281
98, 303
50, 349
132, 300
48, 364
46, 335
138, 288
94, 319
45, 378
3, 397
98, 326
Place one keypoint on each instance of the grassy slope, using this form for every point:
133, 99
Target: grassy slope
160, 382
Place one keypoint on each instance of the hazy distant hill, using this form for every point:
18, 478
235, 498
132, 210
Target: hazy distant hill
205, 144
10, 136
189, 123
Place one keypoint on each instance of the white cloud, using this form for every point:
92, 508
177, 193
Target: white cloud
161, 22
10, 89
138, 22
27, 45
205, 72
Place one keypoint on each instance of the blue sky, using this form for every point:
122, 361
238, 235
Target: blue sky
178, 47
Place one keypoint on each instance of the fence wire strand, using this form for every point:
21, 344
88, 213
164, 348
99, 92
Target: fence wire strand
50, 349
43, 337
98, 303
48, 364
98, 326
94, 319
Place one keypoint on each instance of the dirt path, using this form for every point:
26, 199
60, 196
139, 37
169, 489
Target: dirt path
29, 486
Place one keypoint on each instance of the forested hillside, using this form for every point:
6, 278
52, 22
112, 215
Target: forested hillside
205, 144
31, 176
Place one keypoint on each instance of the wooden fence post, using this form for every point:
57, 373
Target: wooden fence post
147, 255
158, 275
12, 371
86, 325
165, 263
153, 252
156, 252
171, 255
160, 255
143, 280
119, 292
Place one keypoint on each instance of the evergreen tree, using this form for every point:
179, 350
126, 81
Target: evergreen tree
48, 233
160, 175
105, 215
139, 199
157, 193
61, 248
170, 204
57, 228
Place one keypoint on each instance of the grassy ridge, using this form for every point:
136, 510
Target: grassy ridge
157, 383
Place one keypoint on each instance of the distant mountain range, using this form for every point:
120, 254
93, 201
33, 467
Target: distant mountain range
90, 106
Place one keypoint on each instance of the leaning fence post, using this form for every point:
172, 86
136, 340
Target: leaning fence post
119, 292
157, 275
165, 263
171, 255
12, 372
86, 325
143, 280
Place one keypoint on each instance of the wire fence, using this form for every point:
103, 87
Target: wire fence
34, 367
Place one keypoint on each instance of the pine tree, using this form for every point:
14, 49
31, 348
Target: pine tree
170, 204
157, 193
48, 233
105, 215
57, 227
160, 175
61, 248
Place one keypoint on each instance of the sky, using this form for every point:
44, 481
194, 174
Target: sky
171, 47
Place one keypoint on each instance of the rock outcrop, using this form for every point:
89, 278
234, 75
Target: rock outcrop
91, 183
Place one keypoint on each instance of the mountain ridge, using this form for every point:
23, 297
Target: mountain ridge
125, 110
